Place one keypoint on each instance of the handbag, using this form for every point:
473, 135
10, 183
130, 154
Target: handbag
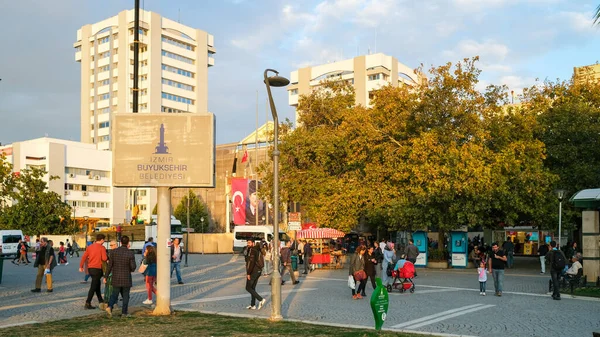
143, 267
360, 275
351, 283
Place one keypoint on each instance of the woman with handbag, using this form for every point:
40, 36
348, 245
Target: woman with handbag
357, 266
150, 272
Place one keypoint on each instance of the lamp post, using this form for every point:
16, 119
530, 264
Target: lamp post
187, 235
275, 81
85, 227
202, 221
560, 194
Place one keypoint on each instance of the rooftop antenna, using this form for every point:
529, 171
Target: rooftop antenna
136, 55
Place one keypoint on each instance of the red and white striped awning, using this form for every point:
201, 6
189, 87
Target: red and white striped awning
319, 233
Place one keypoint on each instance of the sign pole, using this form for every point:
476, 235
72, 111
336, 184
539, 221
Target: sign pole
163, 279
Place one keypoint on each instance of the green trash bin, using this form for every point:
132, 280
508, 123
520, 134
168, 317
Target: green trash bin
294, 262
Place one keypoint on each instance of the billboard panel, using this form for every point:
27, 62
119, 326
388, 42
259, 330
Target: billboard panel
247, 208
163, 150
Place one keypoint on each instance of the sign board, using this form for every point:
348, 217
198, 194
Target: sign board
459, 260
421, 260
294, 226
163, 150
294, 217
189, 230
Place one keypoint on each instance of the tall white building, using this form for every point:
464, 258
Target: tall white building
173, 76
365, 73
84, 175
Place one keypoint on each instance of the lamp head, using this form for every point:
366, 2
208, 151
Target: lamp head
278, 81
560, 193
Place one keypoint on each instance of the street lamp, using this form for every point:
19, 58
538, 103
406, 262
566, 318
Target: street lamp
275, 81
560, 194
202, 221
85, 229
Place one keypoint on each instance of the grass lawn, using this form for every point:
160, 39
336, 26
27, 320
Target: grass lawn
183, 324
586, 291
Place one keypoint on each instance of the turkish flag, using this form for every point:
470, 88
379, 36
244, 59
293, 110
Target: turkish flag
239, 188
245, 157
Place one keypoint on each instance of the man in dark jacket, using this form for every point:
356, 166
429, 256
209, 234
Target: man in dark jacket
286, 260
254, 266
45, 261
554, 273
411, 251
542, 251
121, 264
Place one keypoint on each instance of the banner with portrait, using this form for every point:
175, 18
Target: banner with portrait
247, 208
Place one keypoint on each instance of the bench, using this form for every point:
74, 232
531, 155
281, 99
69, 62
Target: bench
576, 281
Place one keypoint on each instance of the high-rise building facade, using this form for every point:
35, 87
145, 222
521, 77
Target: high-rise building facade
173, 70
173, 77
365, 73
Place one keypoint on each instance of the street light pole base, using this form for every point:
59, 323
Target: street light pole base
276, 296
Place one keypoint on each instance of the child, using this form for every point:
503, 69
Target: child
62, 256
482, 271
150, 261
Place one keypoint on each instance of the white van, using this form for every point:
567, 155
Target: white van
9, 240
243, 233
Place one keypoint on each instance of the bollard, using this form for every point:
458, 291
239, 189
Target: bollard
294, 262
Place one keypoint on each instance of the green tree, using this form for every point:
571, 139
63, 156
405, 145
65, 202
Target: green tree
439, 155
568, 113
197, 212
34, 209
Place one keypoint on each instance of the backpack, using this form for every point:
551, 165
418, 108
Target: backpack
559, 261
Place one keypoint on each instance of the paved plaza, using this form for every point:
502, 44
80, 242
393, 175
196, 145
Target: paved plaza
445, 301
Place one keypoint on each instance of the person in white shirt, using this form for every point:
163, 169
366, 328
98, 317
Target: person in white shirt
574, 269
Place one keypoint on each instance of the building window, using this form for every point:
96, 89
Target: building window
374, 77
103, 125
142, 31
178, 71
177, 98
177, 84
78, 49
105, 68
142, 207
294, 91
171, 110
142, 193
104, 138
177, 57
103, 55
103, 97
103, 40
177, 43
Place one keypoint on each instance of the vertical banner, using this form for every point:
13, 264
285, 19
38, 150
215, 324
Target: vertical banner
239, 190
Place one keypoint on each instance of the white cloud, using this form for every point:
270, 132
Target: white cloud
488, 51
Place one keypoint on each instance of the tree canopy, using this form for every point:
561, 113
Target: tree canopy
441, 154
27, 204
197, 212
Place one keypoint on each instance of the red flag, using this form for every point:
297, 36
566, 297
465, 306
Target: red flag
245, 157
239, 188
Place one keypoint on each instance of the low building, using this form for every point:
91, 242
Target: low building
84, 176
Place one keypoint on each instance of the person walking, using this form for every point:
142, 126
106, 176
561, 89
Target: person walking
121, 264
254, 265
388, 258
557, 261
496, 267
379, 257
509, 250
268, 259
286, 260
22, 253
69, 248
301, 251
148, 243
482, 272
75, 249
150, 273
45, 261
370, 265
94, 255
308, 252
542, 251
411, 251
357, 271
176, 254
18, 255
62, 254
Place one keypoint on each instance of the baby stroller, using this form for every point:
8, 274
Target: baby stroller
403, 278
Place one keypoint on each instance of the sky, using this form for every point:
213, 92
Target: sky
519, 42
